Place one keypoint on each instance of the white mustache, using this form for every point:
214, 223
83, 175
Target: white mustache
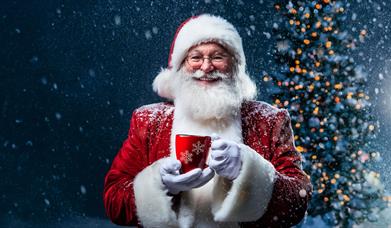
214, 75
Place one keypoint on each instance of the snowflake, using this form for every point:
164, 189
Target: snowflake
198, 148
187, 157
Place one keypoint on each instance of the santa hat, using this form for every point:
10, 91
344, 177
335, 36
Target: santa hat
197, 30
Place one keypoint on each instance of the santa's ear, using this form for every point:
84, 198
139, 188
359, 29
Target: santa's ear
162, 84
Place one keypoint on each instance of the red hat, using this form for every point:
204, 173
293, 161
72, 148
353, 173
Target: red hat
197, 30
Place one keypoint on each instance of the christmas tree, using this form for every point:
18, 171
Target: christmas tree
325, 92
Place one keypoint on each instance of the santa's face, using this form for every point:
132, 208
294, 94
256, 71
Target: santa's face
206, 87
206, 59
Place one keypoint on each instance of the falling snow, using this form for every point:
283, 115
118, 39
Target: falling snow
73, 73
83, 189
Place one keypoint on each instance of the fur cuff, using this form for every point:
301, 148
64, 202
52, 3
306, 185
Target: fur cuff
247, 197
152, 202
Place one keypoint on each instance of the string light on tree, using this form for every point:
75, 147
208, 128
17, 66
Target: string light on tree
323, 88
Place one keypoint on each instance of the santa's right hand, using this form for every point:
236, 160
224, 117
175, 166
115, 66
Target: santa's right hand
176, 182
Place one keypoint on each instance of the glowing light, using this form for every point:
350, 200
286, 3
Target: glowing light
293, 11
300, 149
306, 41
328, 44
316, 111
297, 87
338, 86
327, 19
311, 87
349, 95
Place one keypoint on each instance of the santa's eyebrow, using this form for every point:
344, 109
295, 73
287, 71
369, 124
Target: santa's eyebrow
220, 53
195, 52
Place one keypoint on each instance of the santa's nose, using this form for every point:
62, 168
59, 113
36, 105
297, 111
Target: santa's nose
207, 66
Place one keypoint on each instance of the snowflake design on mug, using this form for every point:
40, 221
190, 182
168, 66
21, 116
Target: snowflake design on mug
198, 148
186, 157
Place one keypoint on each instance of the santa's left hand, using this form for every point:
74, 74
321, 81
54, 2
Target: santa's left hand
225, 158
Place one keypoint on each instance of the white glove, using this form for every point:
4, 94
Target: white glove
176, 182
225, 158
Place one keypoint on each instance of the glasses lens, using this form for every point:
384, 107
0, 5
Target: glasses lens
195, 59
198, 60
218, 59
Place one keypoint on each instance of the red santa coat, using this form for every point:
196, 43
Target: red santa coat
271, 190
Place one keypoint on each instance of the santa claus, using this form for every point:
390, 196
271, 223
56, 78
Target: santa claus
254, 175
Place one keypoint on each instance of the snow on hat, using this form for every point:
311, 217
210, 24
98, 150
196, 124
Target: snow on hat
196, 30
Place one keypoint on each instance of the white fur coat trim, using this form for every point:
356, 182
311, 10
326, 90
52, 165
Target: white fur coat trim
244, 199
153, 205
247, 197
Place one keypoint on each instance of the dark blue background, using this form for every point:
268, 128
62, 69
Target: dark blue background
73, 71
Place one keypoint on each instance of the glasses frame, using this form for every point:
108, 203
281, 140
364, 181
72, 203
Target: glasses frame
215, 63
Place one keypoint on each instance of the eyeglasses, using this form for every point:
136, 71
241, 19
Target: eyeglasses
197, 60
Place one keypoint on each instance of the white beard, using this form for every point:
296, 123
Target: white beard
204, 110
218, 101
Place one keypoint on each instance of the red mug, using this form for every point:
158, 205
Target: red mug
192, 151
